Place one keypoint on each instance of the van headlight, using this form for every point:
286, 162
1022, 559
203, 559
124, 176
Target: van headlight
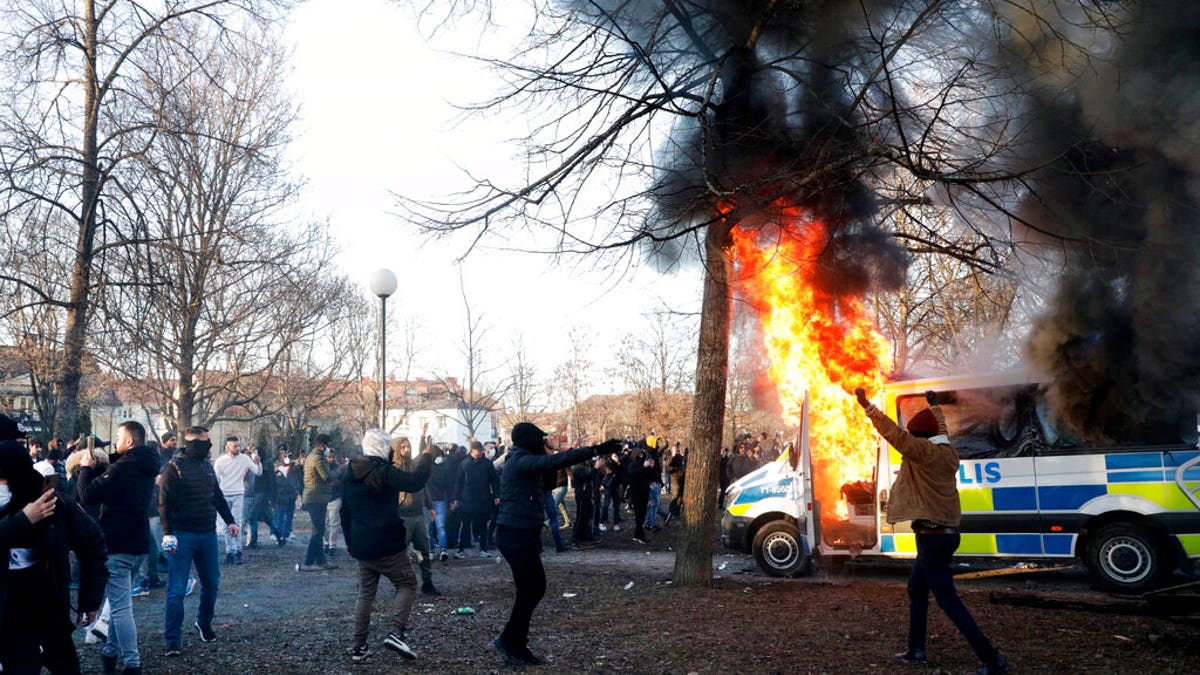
731, 497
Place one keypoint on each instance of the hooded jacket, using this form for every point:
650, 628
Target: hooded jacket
522, 487
190, 497
477, 487
67, 529
123, 492
927, 486
371, 522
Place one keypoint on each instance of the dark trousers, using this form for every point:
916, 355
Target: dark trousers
474, 528
33, 633
454, 533
522, 549
638, 500
931, 572
316, 550
583, 517
263, 512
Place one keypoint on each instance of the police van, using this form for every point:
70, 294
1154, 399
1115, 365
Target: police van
1130, 511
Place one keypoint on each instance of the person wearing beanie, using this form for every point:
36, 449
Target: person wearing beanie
523, 489
377, 539
926, 492
39, 528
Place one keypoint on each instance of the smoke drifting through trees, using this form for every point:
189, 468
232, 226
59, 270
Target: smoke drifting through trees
1121, 137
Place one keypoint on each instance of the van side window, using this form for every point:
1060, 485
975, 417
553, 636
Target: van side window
986, 422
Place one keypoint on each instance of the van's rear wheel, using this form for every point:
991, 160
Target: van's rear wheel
779, 550
1127, 558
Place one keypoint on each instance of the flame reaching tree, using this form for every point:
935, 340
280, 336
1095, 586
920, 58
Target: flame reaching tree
789, 119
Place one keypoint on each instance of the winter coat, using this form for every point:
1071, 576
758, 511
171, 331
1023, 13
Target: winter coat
522, 490
123, 493
190, 498
316, 478
438, 488
285, 486
370, 521
583, 476
453, 463
927, 485
264, 485
68, 529
638, 476
477, 487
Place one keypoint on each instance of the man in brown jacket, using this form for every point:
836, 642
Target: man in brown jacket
926, 492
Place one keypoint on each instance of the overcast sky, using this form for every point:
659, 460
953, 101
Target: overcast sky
377, 117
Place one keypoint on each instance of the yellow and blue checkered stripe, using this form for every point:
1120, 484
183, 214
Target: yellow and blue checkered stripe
1149, 475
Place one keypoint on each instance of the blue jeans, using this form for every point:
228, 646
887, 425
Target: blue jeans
552, 516
440, 511
122, 631
652, 504
199, 548
284, 514
931, 572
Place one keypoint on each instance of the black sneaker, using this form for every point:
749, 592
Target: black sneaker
531, 658
443, 556
230, 559
237, 559
359, 653
108, 664
913, 657
998, 666
511, 657
172, 649
396, 643
206, 633
429, 589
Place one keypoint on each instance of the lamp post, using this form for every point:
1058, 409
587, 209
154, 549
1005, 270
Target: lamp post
383, 284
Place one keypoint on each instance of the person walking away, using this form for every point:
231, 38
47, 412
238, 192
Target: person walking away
518, 533
677, 471
926, 492
231, 469
478, 490
413, 508
316, 501
376, 538
123, 493
39, 529
189, 500
454, 519
639, 473
285, 494
583, 478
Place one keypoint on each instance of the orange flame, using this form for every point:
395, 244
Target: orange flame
818, 342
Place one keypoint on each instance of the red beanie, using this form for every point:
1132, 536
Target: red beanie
923, 424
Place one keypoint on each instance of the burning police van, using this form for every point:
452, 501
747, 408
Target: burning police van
1130, 510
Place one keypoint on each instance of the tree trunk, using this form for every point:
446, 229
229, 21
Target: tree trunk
693, 559
70, 374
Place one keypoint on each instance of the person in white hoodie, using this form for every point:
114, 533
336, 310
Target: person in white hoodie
231, 469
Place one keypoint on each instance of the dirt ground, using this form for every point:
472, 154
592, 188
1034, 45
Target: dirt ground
271, 619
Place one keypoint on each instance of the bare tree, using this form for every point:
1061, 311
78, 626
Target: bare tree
477, 399
228, 290
70, 123
525, 392
573, 377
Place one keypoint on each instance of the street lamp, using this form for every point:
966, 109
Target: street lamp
383, 284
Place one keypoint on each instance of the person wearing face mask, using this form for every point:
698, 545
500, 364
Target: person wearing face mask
189, 500
285, 493
38, 530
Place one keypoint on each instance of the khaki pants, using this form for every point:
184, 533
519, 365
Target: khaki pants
399, 571
417, 533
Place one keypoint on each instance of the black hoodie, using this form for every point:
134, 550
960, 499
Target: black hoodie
123, 493
371, 521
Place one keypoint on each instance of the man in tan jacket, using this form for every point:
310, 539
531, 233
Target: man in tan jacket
926, 492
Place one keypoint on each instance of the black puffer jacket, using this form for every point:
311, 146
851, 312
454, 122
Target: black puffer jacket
522, 485
371, 521
190, 497
123, 493
478, 486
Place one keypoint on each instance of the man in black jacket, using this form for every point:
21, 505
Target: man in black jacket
478, 490
375, 537
519, 525
123, 493
38, 529
189, 500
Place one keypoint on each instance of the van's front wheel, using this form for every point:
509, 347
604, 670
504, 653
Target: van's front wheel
779, 550
1127, 558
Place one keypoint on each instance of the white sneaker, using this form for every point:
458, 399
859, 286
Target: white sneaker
396, 644
100, 630
603, 527
485, 554
616, 527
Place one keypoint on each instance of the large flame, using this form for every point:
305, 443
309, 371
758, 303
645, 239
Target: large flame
818, 342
